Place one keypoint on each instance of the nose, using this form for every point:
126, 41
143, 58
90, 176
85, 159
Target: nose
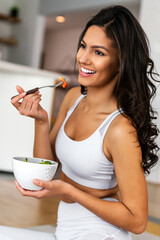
84, 57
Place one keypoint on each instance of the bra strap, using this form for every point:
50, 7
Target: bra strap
75, 104
108, 121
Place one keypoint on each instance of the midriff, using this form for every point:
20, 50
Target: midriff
99, 193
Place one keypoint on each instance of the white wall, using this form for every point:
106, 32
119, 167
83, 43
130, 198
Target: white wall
38, 41
150, 21
50, 7
5, 5
5, 28
60, 48
29, 33
25, 32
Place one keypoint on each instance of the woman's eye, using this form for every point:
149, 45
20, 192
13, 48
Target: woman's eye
99, 53
82, 46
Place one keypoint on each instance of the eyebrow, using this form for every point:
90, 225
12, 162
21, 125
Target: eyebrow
97, 46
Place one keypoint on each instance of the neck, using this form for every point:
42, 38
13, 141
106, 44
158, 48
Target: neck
100, 101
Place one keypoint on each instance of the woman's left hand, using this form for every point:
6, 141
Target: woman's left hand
50, 189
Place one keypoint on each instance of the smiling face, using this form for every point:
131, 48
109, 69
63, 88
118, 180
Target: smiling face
97, 59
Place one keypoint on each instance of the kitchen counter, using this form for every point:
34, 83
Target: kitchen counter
16, 68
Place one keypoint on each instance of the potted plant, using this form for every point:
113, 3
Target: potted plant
14, 11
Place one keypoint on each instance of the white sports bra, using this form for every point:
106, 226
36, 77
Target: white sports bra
84, 161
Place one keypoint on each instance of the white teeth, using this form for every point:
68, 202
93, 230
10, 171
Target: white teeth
87, 71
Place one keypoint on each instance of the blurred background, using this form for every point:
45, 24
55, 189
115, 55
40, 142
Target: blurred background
38, 42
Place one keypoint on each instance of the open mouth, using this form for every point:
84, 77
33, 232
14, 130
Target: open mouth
87, 71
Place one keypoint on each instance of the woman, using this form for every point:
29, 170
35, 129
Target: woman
103, 136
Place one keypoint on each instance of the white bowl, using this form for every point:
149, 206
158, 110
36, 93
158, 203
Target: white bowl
25, 172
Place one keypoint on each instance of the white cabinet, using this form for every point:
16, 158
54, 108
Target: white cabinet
17, 131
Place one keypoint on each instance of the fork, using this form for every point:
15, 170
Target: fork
37, 88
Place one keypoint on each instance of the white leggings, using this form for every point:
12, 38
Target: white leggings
74, 223
10, 233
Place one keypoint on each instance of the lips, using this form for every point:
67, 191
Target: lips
86, 72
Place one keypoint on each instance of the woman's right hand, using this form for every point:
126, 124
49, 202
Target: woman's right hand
29, 106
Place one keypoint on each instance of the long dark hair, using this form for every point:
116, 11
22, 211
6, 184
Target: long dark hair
134, 88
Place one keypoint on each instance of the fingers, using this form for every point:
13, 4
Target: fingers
50, 189
29, 193
32, 105
41, 183
15, 100
21, 190
29, 104
19, 89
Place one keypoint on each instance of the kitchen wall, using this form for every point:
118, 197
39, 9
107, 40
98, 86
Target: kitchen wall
60, 48
5, 28
29, 34
50, 7
150, 20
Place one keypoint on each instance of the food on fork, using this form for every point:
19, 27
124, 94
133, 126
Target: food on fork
64, 82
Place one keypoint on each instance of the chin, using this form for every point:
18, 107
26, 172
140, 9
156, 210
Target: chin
83, 81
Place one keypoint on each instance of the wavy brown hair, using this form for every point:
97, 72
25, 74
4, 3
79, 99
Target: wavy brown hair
134, 89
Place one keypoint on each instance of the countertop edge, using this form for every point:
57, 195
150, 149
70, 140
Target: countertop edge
17, 68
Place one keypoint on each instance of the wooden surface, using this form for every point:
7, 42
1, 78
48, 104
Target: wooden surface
24, 212
153, 228
5, 17
154, 199
9, 41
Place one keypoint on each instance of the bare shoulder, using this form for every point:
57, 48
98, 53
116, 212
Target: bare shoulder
121, 127
71, 96
122, 139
